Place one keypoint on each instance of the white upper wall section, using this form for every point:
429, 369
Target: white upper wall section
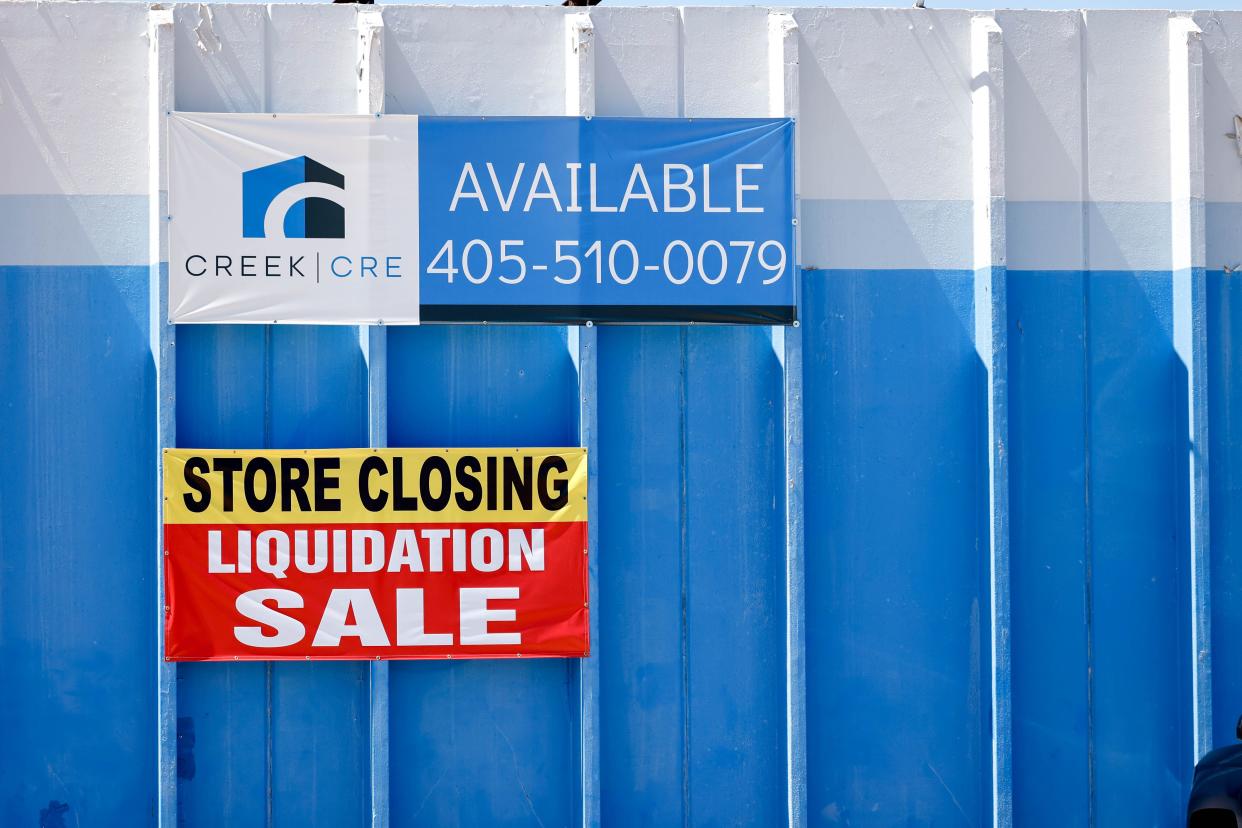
885, 104
1043, 105
279, 58
1222, 101
73, 98
884, 112
1125, 65
637, 62
1086, 105
452, 60
725, 62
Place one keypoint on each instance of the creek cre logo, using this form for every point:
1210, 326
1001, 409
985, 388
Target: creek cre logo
303, 219
294, 199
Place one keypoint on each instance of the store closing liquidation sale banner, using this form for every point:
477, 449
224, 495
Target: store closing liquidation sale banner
375, 553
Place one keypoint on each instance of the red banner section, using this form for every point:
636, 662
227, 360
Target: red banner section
441, 587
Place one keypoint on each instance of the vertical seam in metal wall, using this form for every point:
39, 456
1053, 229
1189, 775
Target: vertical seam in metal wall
267, 442
267, 59
1088, 586
783, 101
1088, 607
267, 745
990, 309
682, 503
162, 341
684, 548
267, 665
1202, 571
583, 342
681, 62
1190, 342
267, 388
373, 342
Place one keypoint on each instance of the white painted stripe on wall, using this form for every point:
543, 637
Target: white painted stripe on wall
894, 235
1222, 233
1067, 235
1042, 235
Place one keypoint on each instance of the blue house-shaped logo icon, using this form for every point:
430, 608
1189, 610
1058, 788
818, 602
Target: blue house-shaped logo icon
311, 217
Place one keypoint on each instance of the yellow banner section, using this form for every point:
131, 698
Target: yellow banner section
513, 485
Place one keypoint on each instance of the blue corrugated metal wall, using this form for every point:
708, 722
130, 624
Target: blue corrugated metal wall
897, 595
77, 589
691, 562
696, 717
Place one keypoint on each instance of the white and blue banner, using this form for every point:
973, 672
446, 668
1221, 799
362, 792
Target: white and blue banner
352, 219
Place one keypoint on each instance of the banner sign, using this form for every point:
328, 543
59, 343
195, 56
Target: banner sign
297, 218
398, 219
375, 553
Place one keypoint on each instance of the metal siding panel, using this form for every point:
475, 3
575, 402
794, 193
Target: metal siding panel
76, 581
222, 731
896, 577
873, 88
1224, 300
642, 699
1140, 607
320, 741
483, 742
515, 58
320, 746
733, 520
222, 708
1048, 548
481, 386
264, 731
734, 577
1222, 179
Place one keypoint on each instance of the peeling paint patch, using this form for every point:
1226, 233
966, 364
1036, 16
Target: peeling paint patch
205, 31
53, 816
185, 747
